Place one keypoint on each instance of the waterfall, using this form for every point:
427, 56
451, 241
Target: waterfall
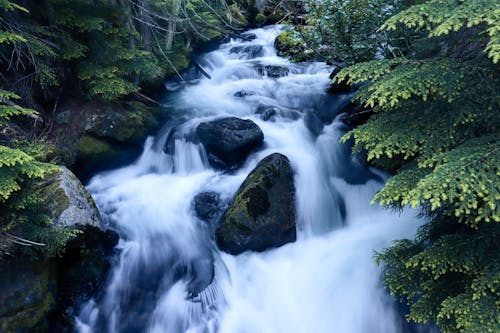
169, 275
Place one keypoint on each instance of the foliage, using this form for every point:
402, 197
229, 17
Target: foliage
346, 30
436, 120
112, 47
22, 217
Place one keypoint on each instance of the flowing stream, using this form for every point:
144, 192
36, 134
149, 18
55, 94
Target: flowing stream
326, 281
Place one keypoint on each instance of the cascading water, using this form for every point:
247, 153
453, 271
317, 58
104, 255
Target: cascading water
327, 281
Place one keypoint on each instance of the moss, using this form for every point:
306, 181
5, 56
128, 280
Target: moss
290, 44
88, 146
29, 300
260, 19
53, 195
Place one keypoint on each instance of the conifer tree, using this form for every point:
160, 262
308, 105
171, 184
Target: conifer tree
437, 125
22, 218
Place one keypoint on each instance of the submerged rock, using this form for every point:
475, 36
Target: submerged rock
262, 214
272, 71
207, 205
267, 112
243, 93
68, 202
176, 134
228, 141
313, 123
250, 51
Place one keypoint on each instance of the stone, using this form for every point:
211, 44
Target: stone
272, 71
267, 112
229, 140
243, 93
262, 214
313, 123
207, 205
69, 203
27, 295
249, 51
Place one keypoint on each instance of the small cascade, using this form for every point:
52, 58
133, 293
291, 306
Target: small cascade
169, 275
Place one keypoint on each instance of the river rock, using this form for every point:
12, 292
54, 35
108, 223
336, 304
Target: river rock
272, 71
313, 123
68, 202
250, 51
262, 214
83, 268
178, 134
207, 205
267, 112
228, 141
248, 36
243, 93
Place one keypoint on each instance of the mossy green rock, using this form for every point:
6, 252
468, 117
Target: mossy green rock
262, 214
127, 123
290, 44
27, 295
67, 201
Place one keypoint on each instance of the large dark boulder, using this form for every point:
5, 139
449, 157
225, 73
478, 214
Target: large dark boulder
262, 214
228, 141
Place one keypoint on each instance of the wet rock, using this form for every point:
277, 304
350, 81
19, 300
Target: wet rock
313, 123
262, 214
174, 135
243, 93
250, 51
121, 123
356, 114
83, 267
27, 295
338, 87
267, 112
289, 44
68, 202
248, 36
272, 71
207, 205
92, 136
229, 140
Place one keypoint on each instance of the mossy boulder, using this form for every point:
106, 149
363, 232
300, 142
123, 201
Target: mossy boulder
67, 201
290, 44
262, 214
93, 136
27, 295
126, 123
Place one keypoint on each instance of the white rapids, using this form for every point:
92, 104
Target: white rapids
327, 281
